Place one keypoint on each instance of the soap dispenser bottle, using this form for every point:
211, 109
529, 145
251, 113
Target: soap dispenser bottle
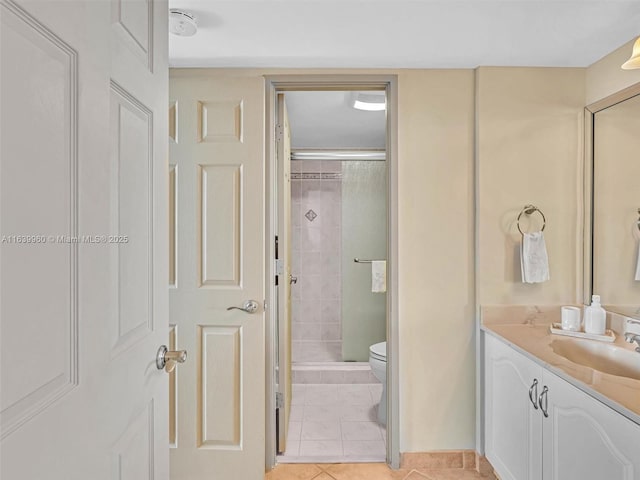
595, 317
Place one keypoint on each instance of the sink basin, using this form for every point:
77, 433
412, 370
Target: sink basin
600, 356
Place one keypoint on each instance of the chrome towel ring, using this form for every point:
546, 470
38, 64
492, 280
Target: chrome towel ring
528, 210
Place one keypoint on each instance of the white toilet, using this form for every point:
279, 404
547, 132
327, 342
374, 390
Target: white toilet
378, 362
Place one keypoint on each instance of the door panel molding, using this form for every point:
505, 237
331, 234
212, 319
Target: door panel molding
49, 62
220, 252
133, 452
133, 162
126, 16
220, 122
173, 121
173, 225
220, 382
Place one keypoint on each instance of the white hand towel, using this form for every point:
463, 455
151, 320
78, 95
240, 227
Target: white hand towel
638, 264
533, 258
379, 276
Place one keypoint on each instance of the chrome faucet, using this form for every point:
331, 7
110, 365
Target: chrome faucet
633, 337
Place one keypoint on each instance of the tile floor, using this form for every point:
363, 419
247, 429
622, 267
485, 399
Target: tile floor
365, 471
335, 423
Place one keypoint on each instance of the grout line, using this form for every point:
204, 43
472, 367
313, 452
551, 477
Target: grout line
419, 473
323, 472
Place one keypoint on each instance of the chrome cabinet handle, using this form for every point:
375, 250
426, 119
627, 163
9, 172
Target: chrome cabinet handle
533, 396
168, 359
250, 306
544, 394
293, 280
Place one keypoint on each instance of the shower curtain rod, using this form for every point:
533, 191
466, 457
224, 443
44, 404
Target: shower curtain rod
377, 155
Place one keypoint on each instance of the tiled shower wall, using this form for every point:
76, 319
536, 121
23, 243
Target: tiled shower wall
316, 212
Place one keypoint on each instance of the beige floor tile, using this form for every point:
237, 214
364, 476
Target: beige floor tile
452, 474
365, 471
294, 471
324, 476
415, 476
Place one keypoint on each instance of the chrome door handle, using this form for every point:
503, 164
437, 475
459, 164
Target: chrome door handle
293, 280
533, 396
168, 359
250, 306
544, 394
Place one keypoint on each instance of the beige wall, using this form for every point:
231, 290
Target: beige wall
605, 77
437, 359
529, 150
435, 146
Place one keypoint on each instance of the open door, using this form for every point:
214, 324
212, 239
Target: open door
83, 256
284, 278
217, 300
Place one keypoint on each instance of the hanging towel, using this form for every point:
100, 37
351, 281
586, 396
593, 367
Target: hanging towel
533, 258
378, 276
638, 264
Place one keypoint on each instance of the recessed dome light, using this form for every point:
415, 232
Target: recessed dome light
182, 23
371, 101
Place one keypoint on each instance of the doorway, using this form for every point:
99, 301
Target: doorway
331, 213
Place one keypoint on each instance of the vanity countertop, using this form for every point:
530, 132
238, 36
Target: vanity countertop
526, 329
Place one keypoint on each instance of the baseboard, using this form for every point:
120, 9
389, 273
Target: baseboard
450, 459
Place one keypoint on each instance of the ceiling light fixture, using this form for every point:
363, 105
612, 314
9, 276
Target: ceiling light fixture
634, 61
182, 23
370, 101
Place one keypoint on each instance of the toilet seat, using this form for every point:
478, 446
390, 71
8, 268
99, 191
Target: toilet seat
378, 351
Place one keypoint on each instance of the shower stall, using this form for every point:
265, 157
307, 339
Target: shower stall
339, 211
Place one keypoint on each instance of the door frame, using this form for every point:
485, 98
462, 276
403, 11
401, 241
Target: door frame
275, 84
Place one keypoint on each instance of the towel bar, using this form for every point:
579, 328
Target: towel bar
528, 210
357, 260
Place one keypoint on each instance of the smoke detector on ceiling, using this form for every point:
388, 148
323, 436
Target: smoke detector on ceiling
182, 23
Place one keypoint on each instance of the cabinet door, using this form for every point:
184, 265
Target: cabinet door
513, 430
584, 439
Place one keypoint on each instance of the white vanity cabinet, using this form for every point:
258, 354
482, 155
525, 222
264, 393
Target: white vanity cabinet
579, 438
583, 439
513, 426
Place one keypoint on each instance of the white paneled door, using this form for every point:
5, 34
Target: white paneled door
217, 156
83, 185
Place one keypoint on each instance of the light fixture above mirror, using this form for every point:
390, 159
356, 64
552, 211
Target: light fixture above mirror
634, 61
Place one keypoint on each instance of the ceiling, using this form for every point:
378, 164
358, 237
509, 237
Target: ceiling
328, 120
403, 33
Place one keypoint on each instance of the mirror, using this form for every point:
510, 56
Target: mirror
615, 202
